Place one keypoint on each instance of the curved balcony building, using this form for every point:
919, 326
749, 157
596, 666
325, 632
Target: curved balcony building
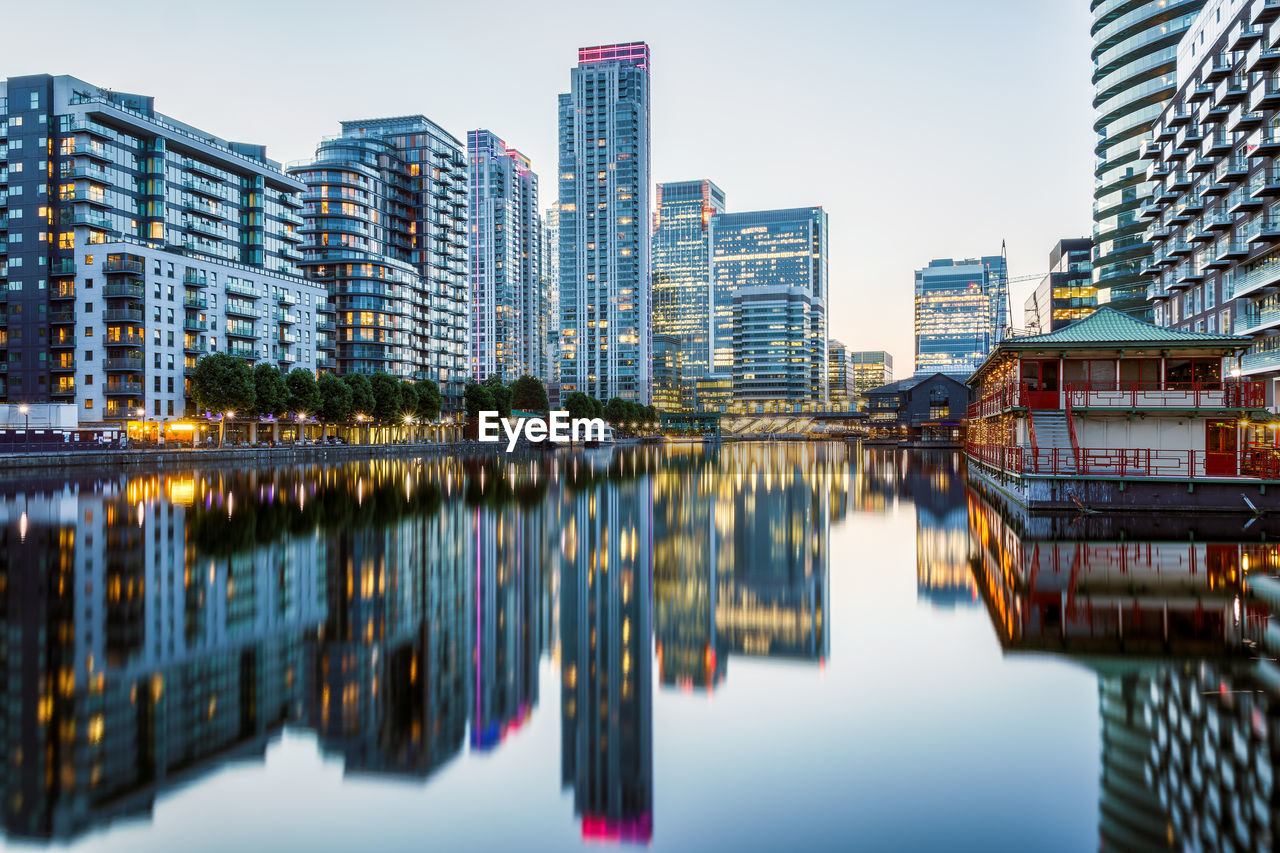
1135, 46
385, 230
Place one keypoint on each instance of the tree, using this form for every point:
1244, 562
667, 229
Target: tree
649, 414
223, 383
430, 402
528, 395
335, 398
578, 405
501, 395
617, 411
386, 397
597, 408
408, 398
271, 394
304, 392
361, 393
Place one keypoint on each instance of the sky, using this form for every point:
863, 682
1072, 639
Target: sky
928, 129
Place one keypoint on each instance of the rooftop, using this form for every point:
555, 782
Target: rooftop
1107, 325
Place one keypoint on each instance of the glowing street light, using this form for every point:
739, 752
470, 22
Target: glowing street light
26, 425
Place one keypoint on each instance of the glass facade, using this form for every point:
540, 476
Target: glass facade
128, 240
769, 303
682, 275
508, 315
386, 220
1134, 54
605, 316
957, 307
870, 369
839, 377
1067, 293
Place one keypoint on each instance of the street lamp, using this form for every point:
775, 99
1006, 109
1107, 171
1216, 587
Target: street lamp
26, 425
302, 419
222, 437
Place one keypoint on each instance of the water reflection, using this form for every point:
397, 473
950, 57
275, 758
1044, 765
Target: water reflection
155, 627
1161, 609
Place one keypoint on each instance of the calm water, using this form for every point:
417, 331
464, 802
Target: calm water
761, 647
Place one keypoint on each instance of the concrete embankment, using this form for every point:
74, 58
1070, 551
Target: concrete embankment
157, 458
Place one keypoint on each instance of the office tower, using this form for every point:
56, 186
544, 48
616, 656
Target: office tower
1213, 223
1134, 51
386, 222
839, 377
957, 314
1066, 293
667, 377
130, 245
870, 369
682, 274
508, 333
604, 224
769, 275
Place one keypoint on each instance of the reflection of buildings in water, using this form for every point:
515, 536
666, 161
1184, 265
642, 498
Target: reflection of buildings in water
129, 661
1188, 760
741, 555
874, 487
606, 703
509, 584
772, 523
935, 482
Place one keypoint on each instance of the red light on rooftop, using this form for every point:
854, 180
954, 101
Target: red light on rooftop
609, 829
635, 53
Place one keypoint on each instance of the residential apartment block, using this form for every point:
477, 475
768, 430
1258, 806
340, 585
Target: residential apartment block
605, 212
508, 311
1214, 212
131, 244
386, 235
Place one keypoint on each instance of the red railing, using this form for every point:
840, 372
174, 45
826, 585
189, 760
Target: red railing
1261, 462
1231, 394
996, 400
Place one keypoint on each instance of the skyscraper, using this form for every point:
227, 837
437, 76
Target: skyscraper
870, 369
682, 274
839, 375
551, 301
957, 307
131, 244
769, 304
1134, 52
1066, 293
386, 220
508, 329
605, 322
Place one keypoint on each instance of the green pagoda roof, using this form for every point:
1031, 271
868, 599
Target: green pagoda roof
1108, 326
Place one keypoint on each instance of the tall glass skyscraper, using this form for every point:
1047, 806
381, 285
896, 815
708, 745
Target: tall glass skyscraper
386, 233
605, 321
1135, 46
551, 301
508, 329
682, 274
958, 305
769, 303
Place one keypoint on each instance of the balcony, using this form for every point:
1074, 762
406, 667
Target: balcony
1166, 133
194, 347
284, 298
1245, 36
1256, 321
1233, 92
1181, 249
1158, 170
1218, 221
1233, 250
235, 288
1151, 150
64, 389
195, 302
1264, 12
129, 363
62, 316
63, 290
234, 310
122, 315
330, 326
1257, 362
1200, 165
1220, 144
123, 290
1266, 184
1267, 96
64, 266
1244, 121
1262, 58
1201, 233
134, 341
286, 317
116, 389
116, 266
194, 278
1176, 155
193, 325
63, 365
1261, 280
243, 351
1240, 200
1221, 394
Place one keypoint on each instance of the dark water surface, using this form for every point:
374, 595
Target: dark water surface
800, 647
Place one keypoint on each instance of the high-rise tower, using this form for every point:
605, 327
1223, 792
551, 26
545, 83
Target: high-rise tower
604, 224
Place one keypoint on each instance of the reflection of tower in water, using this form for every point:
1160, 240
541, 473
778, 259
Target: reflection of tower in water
935, 482
605, 627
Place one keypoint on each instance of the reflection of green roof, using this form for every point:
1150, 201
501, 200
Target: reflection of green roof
1107, 325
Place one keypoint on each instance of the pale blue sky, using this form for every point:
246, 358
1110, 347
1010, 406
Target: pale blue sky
927, 129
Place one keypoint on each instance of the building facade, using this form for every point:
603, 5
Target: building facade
840, 391
508, 317
551, 301
1212, 214
386, 235
682, 295
1134, 56
1067, 292
961, 311
131, 244
769, 304
870, 369
605, 316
